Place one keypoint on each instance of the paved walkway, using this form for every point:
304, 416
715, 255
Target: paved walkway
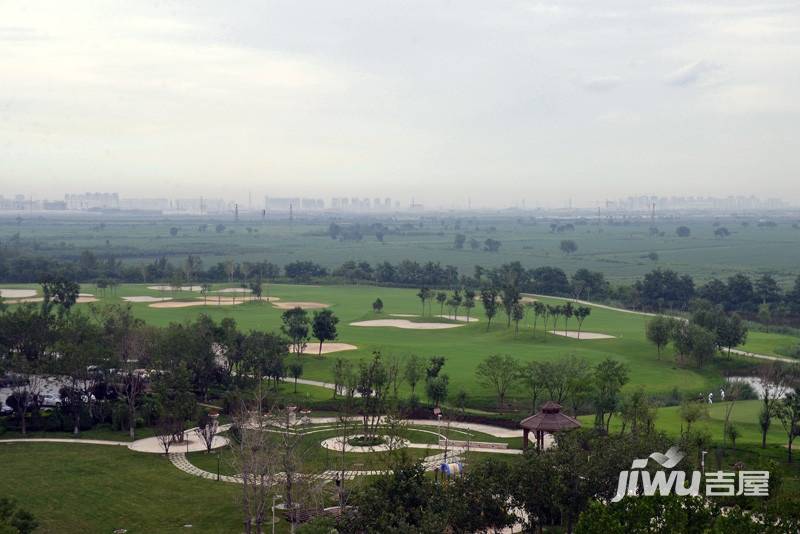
647, 314
496, 431
180, 461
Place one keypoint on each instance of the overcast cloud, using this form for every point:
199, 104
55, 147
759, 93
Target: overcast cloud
440, 100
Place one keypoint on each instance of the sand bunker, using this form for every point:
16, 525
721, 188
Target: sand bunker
462, 318
584, 335
146, 298
191, 303
233, 290
170, 288
17, 293
84, 298
327, 348
405, 324
304, 305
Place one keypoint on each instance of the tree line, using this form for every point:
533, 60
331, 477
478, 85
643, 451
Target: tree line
761, 298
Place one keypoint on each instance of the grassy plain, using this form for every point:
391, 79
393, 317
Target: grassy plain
619, 250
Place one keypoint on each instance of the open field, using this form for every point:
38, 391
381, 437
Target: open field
618, 250
464, 347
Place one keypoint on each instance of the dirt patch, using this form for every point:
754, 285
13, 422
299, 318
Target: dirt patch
146, 298
327, 348
304, 305
17, 293
408, 325
583, 335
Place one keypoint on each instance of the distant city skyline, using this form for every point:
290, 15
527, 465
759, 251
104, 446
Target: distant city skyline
210, 204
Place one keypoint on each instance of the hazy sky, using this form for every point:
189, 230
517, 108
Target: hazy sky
442, 100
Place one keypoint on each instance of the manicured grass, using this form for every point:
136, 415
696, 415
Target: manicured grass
76, 488
463, 347
769, 343
744, 415
103, 432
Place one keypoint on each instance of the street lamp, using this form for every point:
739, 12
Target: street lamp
703, 461
273, 510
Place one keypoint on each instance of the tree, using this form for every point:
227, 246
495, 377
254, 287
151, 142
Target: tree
341, 368
637, 411
538, 309
517, 315
414, 370
441, 298
683, 231
788, 411
14, 519
773, 379
568, 311
373, 385
296, 371
295, 325
178, 403
459, 240
531, 377
692, 411
733, 434
659, 332
424, 294
436, 389
79, 342
554, 312
255, 456
206, 430
609, 377
205, 289
741, 295
324, 327
469, 301
568, 246
491, 245
377, 306
58, 291
489, 301
499, 373
731, 332
581, 313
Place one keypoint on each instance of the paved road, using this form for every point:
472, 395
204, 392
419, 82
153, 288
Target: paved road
646, 314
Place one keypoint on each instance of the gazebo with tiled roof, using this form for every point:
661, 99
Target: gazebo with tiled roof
550, 420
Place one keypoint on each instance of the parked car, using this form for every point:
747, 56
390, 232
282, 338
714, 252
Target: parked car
49, 401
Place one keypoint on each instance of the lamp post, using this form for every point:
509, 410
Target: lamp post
703, 461
273, 510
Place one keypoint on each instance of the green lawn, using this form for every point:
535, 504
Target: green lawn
464, 347
75, 488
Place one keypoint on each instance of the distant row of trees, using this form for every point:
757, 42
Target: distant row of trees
761, 298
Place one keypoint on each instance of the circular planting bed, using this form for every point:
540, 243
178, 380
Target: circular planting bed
366, 441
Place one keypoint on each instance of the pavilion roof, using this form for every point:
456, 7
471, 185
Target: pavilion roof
550, 419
